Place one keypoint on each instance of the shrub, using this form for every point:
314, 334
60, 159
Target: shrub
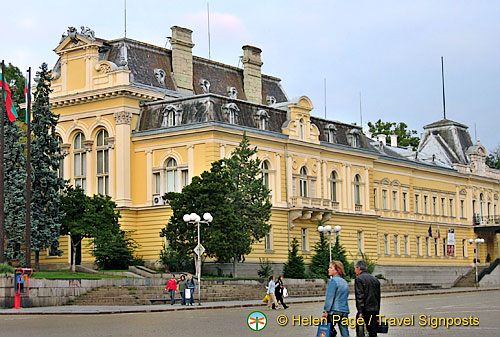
265, 269
294, 267
114, 251
175, 261
6, 269
321, 260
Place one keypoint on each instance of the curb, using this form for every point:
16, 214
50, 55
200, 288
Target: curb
140, 309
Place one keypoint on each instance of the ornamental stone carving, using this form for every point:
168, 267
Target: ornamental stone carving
160, 76
65, 149
110, 141
232, 92
231, 111
123, 117
88, 144
87, 32
270, 100
205, 86
172, 116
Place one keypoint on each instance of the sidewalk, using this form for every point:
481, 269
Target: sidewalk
92, 310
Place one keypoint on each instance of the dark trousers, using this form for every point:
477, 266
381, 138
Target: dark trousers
371, 321
172, 296
183, 297
279, 299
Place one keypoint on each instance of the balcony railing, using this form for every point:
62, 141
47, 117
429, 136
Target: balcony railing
358, 208
315, 203
486, 220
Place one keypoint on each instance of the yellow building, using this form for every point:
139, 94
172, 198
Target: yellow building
138, 120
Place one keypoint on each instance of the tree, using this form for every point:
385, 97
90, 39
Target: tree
321, 260
16, 82
294, 267
339, 254
249, 199
114, 251
493, 159
46, 154
405, 136
15, 194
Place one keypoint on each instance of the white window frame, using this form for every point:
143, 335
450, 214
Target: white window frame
102, 173
80, 152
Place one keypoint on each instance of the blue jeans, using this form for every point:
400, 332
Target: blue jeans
191, 299
344, 329
172, 296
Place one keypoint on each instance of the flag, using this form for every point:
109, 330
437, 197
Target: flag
11, 110
438, 233
26, 99
430, 231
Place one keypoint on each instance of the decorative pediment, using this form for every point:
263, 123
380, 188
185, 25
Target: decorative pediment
72, 40
105, 67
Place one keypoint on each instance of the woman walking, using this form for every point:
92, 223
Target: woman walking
336, 298
171, 287
191, 284
271, 288
279, 291
182, 289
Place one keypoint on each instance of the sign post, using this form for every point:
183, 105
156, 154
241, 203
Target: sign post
21, 284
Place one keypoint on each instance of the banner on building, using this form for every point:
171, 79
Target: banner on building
450, 250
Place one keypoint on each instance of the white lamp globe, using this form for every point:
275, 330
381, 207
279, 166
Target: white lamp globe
482, 240
471, 241
193, 216
328, 228
337, 228
321, 229
186, 218
207, 217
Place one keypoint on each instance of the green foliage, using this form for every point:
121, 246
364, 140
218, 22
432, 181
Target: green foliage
114, 251
493, 159
321, 260
370, 263
46, 154
16, 82
294, 267
6, 269
339, 254
405, 136
175, 261
265, 268
234, 194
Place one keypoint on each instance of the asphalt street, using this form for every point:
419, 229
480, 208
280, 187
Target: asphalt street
483, 306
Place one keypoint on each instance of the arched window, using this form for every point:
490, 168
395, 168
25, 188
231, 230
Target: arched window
102, 163
79, 161
331, 133
354, 138
357, 192
263, 119
265, 173
171, 175
481, 205
60, 169
301, 129
303, 182
333, 186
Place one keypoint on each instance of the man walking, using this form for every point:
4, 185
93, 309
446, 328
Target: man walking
367, 292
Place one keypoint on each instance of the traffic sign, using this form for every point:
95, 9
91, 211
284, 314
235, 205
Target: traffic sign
199, 249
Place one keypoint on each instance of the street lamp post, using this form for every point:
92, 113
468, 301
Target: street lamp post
199, 250
328, 229
476, 250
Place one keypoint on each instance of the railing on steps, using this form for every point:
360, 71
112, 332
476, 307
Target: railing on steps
488, 270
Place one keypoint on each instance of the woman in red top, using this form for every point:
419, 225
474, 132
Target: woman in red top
172, 287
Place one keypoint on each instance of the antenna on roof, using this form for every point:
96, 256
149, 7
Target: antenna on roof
208, 22
125, 17
360, 111
475, 131
324, 86
442, 79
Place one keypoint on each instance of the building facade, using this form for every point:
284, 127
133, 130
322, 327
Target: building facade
137, 121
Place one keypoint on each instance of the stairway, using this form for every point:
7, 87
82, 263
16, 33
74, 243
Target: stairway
469, 279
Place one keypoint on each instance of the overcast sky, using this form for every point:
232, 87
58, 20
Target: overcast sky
386, 51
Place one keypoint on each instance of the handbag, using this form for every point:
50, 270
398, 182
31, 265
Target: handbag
323, 330
188, 293
383, 327
285, 292
266, 298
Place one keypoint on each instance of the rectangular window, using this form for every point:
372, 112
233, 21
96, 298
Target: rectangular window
425, 204
304, 239
436, 247
386, 244
384, 199
419, 246
407, 252
444, 246
462, 212
451, 208
443, 208
184, 178
394, 200
427, 247
396, 244
434, 207
360, 242
156, 181
464, 248
375, 204
416, 204
268, 245
405, 201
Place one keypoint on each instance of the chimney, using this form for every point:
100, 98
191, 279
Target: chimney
252, 77
182, 58
394, 140
381, 139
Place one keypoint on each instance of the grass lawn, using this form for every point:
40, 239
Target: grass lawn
65, 274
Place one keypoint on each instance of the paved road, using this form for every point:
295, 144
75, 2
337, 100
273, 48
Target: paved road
232, 322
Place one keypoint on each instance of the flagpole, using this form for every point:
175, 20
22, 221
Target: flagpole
2, 146
28, 175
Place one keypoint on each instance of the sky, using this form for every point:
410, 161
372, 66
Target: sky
381, 58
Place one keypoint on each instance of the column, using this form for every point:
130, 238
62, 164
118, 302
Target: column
89, 175
344, 188
66, 167
325, 179
278, 179
111, 172
190, 149
289, 177
123, 120
349, 187
149, 177
222, 151
367, 189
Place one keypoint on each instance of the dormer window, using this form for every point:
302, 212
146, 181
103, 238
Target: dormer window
231, 111
263, 119
354, 138
331, 133
301, 128
171, 116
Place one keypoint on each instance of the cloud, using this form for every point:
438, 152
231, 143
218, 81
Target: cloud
227, 25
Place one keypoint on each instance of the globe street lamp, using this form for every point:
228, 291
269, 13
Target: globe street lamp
328, 229
199, 249
476, 250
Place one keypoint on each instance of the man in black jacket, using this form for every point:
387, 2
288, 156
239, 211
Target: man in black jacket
367, 291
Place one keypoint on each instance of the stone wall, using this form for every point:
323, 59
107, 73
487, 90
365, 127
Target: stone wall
438, 275
492, 279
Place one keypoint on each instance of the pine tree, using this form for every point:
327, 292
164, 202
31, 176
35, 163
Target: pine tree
294, 267
321, 260
339, 254
15, 193
46, 154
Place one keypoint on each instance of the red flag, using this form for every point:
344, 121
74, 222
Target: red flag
11, 110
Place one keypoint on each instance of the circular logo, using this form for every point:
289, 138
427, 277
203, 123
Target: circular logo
256, 321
